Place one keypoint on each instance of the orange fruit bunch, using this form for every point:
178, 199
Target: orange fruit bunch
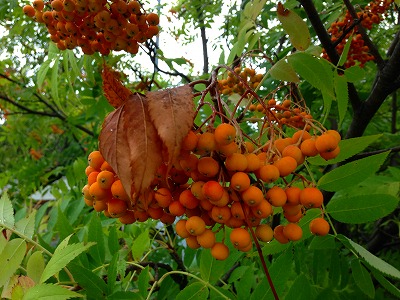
95, 25
233, 85
359, 51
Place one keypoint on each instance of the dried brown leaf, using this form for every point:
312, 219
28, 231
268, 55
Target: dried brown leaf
115, 92
172, 112
130, 144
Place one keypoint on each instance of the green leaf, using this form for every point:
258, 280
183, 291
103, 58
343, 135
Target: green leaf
371, 260
361, 208
351, 173
140, 244
246, 283
295, 27
342, 95
283, 71
143, 281
49, 292
238, 273
42, 72
26, 226
93, 284
35, 266
323, 242
206, 262
112, 273
124, 295
113, 244
95, 234
354, 74
390, 287
6, 211
11, 258
343, 56
195, 291
300, 289
62, 257
54, 82
313, 70
348, 148
362, 278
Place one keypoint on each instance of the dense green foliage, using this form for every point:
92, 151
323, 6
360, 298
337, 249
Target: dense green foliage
51, 111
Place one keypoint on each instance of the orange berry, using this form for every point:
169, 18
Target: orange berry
95, 159
293, 195
221, 214
212, 190
128, 217
280, 144
225, 134
98, 193
279, 236
134, 7
118, 191
253, 162
227, 150
268, 173
29, 11
206, 143
155, 212
38, 4
286, 165
240, 238
190, 141
301, 135
335, 134
326, 142
252, 196
195, 225
223, 201
152, 19
311, 197
176, 208
237, 211
236, 162
117, 207
264, 233
106, 167
308, 148
262, 210
99, 205
85, 192
293, 218
196, 189
319, 226
206, 239
192, 243
92, 177
220, 251
163, 197
291, 210
141, 216
276, 196
331, 154
294, 152
167, 219
180, 228
89, 170
240, 181
208, 166
189, 163
293, 232
188, 200
105, 179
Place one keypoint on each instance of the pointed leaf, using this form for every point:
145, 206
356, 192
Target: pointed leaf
354, 73
49, 292
61, 258
11, 258
115, 92
95, 234
172, 113
362, 278
112, 273
283, 71
351, 173
300, 289
26, 226
6, 211
195, 291
130, 144
361, 208
35, 266
92, 283
143, 282
390, 287
371, 260
140, 244
343, 56
342, 95
295, 27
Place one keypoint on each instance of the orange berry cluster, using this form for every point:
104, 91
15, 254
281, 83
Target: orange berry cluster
370, 15
284, 113
95, 25
233, 85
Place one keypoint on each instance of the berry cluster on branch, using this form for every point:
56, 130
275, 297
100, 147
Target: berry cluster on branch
345, 28
95, 25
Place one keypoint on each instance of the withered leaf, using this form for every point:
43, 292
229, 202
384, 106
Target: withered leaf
115, 92
172, 112
130, 144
